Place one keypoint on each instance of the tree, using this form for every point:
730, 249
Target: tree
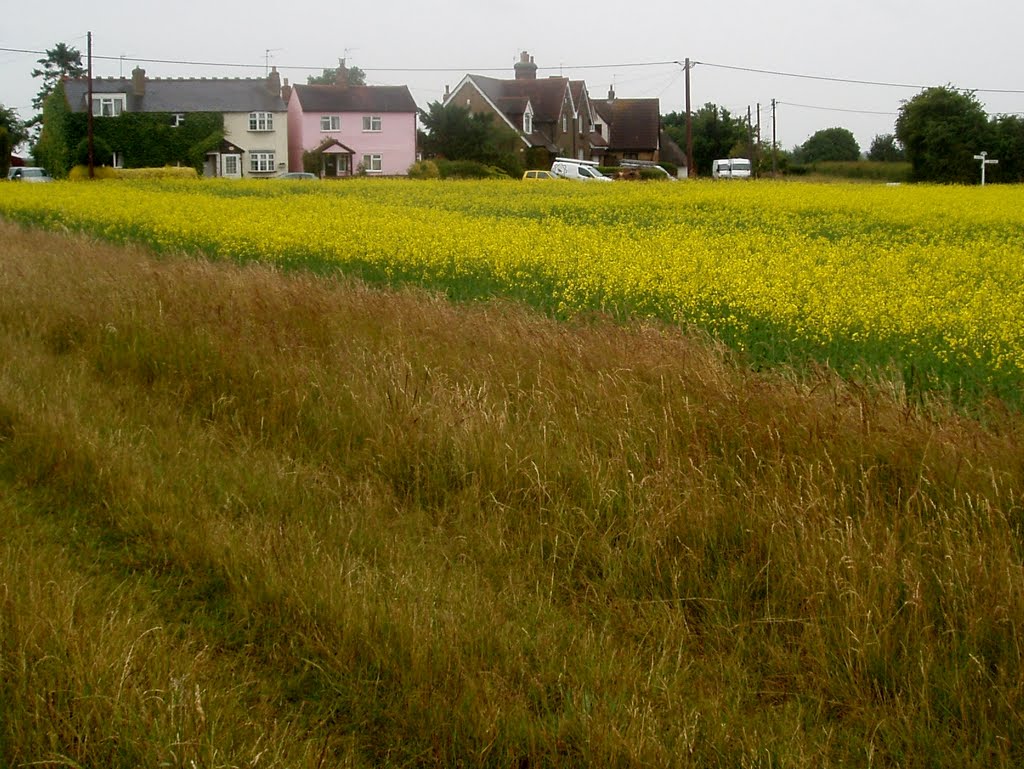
61, 61
886, 149
51, 150
353, 75
941, 130
716, 134
1008, 147
12, 133
453, 133
829, 144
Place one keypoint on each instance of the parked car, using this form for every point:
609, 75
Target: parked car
538, 175
296, 175
28, 174
580, 170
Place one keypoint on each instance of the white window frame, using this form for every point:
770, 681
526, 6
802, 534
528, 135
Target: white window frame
330, 123
371, 124
261, 121
527, 122
117, 159
262, 162
373, 163
177, 118
565, 123
108, 104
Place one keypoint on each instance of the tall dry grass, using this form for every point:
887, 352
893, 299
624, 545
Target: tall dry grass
263, 519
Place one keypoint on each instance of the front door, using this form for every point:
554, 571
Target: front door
336, 164
231, 166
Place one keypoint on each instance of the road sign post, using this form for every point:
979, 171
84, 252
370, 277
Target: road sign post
983, 157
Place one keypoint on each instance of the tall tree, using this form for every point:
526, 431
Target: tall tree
353, 75
454, 133
941, 129
61, 61
887, 149
829, 144
51, 151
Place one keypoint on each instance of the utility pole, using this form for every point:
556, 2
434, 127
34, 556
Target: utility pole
773, 139
691, 172
750, 133
92, 169
757, 144
983, 157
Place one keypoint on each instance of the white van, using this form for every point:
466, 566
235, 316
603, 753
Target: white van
731, 168
579, 170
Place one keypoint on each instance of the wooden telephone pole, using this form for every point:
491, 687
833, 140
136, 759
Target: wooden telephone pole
92, 170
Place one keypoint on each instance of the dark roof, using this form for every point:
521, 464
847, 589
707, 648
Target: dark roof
183, 94
634, 124
545, 95
355, 98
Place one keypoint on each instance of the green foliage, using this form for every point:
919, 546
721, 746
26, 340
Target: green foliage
354, 75
941, 130
886, 148
12, 133
80, 173
1008, 147
167, 172
150, 140
715, 135
52, 150
829, 144
857, 170
453, 133
61, 61
468, 169
424, 169
102, 155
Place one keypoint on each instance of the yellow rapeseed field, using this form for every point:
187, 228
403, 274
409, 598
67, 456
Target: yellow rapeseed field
927, 281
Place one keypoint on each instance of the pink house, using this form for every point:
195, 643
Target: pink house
352, 128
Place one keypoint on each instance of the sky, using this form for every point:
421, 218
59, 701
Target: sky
797, 52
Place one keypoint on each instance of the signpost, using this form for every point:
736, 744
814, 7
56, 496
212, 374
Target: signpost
983, 157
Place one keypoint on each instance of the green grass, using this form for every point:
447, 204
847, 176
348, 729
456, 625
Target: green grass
255, 518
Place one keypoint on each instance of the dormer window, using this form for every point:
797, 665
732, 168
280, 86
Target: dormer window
528, 123
108, 104
565, 123
177, 119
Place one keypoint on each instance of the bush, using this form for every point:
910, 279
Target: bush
468, 169
424, 169
102, 155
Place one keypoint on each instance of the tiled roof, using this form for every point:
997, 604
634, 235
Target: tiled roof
182, 94
355, 98
634, 124
545, 95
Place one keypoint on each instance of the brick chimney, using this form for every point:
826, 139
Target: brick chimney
525, 68
611, 93
139, 82
341, 78
274, 81
286, 91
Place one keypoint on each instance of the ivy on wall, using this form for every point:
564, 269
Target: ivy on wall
150, 139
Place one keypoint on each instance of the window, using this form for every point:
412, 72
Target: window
117, 159
565, 123
231, 165
261, 121
261, 162
108, 105
372, 164
371, 122
330, 122
528, 123
177, 119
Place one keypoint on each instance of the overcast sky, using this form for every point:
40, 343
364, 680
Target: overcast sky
969, 45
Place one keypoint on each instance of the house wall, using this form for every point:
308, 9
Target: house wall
236, 130
395, 142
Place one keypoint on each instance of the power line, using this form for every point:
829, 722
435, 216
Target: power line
830, 79
836, 109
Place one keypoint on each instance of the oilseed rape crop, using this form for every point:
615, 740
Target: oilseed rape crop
923, 284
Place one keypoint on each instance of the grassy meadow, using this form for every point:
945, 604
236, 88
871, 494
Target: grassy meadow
256, 517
